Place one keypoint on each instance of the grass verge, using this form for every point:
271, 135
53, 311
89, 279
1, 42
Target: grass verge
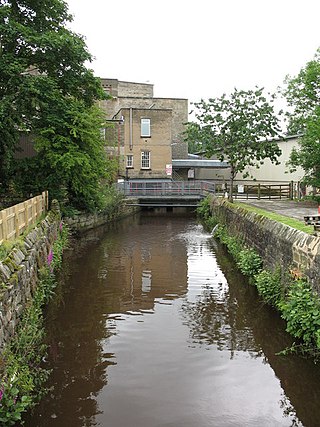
291, 222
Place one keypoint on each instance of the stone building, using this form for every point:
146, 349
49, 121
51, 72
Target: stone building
144, 131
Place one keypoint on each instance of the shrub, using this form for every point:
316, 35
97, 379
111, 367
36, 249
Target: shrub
301, 310
299, 306
249, 262
204, 212
233, 244
269, 286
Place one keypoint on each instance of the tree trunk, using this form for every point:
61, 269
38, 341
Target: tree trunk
232, 176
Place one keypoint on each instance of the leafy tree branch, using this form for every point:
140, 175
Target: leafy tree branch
239, 128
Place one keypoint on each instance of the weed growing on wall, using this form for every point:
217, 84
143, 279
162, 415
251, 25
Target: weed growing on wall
22, 372
248, 261
204, 212
297, 303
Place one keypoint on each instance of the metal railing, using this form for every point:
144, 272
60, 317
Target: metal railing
160, 189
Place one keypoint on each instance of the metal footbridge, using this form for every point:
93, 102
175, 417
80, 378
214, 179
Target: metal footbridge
164, 193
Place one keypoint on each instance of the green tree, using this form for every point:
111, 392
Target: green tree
46, 88
303, 96
71, 160
190, 136
238, 129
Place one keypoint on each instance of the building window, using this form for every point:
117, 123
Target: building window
130, 161
145, 128
145, 160
107, 89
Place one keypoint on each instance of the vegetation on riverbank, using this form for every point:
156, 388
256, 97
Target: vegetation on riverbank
22, 367
293, 297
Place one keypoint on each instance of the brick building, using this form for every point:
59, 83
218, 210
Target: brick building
145, 132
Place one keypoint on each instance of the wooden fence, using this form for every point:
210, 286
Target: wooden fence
258, 190
16, 219
264, 191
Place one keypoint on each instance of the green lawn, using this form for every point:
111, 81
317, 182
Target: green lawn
294, 223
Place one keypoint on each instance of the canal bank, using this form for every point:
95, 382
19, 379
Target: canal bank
279, 245
280, 261
27, 276
116, 210
27, 279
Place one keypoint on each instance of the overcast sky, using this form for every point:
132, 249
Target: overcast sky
199, 48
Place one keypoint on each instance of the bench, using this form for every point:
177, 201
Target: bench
313, 220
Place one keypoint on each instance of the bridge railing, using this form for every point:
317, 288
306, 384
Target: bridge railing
166, 188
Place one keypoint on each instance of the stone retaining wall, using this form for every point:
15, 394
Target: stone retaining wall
19, 273
86, 222
276, 243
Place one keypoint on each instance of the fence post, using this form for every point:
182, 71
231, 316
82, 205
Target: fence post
16, 220
34, 209
39, 207
4, 224
291, 190
26, 214
259, 192
44, 202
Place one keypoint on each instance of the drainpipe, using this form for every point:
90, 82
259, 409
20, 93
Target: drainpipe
130, 129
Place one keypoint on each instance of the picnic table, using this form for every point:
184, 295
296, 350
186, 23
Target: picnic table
313, 220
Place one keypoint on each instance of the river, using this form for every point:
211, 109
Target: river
153, 326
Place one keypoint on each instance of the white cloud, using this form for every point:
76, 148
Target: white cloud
193, 49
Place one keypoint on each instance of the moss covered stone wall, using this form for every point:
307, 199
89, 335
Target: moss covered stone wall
19, 272
276, 243
84, 222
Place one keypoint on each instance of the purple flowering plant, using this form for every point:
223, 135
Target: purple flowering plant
50, 257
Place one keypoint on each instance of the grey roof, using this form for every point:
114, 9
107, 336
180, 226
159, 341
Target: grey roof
199, 163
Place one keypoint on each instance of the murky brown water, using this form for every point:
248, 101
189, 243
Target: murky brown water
154, 327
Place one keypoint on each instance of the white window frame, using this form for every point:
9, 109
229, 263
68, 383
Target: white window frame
145, 160
145, 128
129, 163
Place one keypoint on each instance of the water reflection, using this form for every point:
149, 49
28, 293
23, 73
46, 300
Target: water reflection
218, 312
154, 326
